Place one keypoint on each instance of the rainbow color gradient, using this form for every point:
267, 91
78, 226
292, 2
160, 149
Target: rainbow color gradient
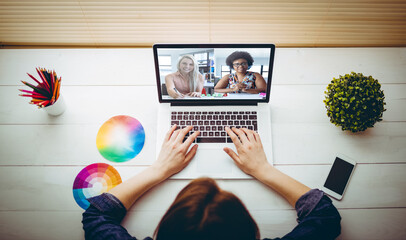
94, 180
120, 138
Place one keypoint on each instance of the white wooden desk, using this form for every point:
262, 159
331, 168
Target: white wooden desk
40, 156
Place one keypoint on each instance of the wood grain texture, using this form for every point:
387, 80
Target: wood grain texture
49, 188
142, 23
97, 84
75, 144
135, 66
96, 104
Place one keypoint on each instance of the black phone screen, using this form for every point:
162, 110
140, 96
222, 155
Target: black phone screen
338, 177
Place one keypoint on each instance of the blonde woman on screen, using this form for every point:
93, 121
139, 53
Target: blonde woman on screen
187, 81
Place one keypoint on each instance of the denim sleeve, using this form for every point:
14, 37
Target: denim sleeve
102, 219
317, 218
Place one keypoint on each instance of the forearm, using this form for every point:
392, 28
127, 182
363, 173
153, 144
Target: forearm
174, 156
253, 91
129, 191
172, 93
286, 186
223, 90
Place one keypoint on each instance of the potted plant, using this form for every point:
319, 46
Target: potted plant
354, 101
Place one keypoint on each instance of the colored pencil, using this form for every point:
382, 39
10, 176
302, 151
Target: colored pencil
33, 96
46, 92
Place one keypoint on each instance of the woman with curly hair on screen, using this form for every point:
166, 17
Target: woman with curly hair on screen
242, 80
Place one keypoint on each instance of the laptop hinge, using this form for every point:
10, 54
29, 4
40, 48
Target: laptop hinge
214, 104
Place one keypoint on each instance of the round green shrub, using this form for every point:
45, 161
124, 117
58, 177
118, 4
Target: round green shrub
354, 102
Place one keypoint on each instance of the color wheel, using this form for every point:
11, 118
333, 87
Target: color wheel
94, 180
120, 138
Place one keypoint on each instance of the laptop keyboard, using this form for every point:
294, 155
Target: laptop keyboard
212, 124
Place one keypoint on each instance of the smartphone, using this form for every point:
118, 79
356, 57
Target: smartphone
339, 176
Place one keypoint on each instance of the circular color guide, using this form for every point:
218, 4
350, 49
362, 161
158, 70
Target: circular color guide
120, 138
94, 180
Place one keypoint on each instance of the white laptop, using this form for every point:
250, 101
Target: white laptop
213, 110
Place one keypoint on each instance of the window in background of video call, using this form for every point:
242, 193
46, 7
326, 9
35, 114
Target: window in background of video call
212, 67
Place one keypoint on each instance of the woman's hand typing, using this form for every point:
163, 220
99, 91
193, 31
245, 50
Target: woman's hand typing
174, 155
251, 157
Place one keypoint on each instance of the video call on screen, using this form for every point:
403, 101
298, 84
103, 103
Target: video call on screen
338, 176
210, 69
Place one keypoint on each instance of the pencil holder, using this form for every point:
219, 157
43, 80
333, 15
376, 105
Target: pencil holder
57, 108
46, 93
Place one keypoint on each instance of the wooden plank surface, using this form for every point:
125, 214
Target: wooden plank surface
75, 144
135, 66
303, 126
96, 104
49, 188
37, 180
80, 66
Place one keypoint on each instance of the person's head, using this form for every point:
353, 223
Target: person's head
239, 61
187, 65
203, 211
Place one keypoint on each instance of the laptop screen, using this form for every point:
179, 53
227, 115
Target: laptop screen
215, 73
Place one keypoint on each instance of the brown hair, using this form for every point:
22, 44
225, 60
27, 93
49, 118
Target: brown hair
203, 211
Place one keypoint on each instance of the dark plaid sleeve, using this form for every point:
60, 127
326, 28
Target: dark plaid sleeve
317, 218
102, 219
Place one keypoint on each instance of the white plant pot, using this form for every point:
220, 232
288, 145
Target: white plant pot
57, 108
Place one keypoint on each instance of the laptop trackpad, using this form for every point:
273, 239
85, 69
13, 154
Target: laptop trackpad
213, 161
